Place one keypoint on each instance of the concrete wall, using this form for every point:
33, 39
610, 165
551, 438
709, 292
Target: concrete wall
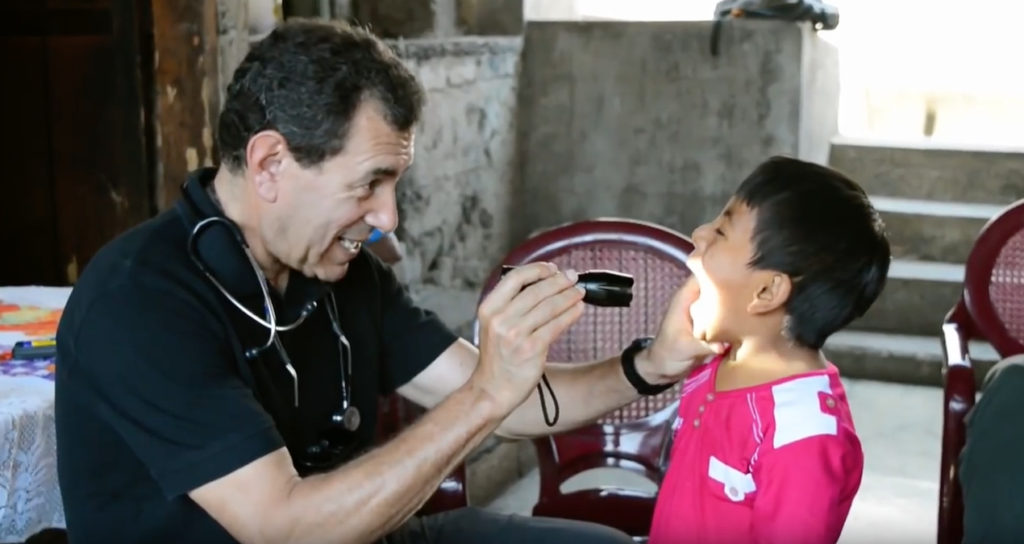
455, 202
639, 120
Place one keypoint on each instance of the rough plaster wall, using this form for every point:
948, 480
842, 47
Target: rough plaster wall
455, 201
232, 38
638, 120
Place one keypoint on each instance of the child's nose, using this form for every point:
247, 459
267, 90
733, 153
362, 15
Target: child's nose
700, 237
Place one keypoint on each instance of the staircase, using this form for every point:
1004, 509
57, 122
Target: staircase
934, 201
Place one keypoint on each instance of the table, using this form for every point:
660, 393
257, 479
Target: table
29, 491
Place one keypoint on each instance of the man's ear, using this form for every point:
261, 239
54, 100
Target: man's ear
773, 290
264, 158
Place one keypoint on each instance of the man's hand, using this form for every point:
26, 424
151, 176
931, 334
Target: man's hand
675, 349
517, 325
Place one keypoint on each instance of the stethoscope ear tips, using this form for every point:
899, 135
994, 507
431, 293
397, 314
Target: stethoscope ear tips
252, 353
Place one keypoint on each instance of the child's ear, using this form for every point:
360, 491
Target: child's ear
772, 293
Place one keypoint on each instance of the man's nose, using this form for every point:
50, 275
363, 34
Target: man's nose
383, 214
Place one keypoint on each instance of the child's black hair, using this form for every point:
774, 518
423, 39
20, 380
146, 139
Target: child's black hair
818, 227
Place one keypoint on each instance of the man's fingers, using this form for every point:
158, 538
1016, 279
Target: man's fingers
550, 307
512, 283
539, 292
550, 331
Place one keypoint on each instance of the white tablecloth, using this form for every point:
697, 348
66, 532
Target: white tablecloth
29, 492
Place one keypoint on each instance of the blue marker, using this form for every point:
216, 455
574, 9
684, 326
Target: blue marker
375, 235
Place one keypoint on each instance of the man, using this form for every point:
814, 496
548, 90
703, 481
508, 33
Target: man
219, 365
990, 476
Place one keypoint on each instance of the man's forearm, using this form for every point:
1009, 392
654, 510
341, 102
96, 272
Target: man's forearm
372, 495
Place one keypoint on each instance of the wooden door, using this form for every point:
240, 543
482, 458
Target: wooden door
77, 165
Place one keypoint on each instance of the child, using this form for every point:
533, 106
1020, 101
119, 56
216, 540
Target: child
765, 449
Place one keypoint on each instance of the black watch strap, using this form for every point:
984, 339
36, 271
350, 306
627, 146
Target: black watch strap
629, 369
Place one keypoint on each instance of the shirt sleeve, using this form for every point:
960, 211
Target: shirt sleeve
162, 374
804, 490
412, 337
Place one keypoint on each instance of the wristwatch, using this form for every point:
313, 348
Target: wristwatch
629, 369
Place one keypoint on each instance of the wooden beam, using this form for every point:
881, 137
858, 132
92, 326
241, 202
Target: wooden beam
187, 89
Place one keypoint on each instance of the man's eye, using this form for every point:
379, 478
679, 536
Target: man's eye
367, 188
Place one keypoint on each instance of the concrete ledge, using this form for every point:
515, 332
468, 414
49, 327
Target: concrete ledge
455, 307
495, 465
468, 46
899, 358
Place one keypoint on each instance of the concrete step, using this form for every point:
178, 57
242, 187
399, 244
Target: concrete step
916, 298
928, 230
899, 358
988, 176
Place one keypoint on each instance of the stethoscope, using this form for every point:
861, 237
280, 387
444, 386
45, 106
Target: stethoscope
348, 415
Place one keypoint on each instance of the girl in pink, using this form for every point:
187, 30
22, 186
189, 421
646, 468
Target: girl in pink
764, 449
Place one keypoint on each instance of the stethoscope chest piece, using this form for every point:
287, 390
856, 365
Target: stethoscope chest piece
349, 418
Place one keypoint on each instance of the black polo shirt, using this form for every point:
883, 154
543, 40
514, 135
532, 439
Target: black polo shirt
155, 395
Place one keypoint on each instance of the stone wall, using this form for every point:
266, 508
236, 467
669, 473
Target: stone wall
232, 38
455, 202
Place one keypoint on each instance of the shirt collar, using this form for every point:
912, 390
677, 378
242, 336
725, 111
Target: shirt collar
219, 246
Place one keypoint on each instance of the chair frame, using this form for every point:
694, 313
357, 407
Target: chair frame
569, 453
973, 316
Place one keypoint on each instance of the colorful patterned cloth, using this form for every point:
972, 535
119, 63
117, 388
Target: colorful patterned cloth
40, 368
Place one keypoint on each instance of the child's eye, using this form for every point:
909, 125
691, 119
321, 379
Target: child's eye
719, 232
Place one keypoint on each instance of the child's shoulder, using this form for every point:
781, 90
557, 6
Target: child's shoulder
808, 406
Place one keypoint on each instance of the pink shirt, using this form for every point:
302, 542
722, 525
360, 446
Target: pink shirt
777, 463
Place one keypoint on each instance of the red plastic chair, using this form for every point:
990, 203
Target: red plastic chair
636, 437
991, 308
396, 413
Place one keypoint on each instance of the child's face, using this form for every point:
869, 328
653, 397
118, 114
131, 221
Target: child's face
720, 261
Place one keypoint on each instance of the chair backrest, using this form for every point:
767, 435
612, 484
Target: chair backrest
634, 436
994, 282
992, 309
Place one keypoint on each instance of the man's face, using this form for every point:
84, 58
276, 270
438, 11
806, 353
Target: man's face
323, 213
720, 261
